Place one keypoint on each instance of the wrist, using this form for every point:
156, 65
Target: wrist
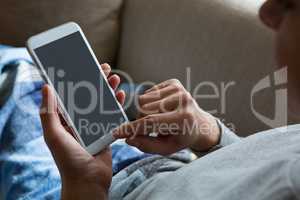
79, 191
208, 137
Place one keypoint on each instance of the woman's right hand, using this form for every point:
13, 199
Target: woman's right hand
170, 111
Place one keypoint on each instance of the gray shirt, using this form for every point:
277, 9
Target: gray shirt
263, 166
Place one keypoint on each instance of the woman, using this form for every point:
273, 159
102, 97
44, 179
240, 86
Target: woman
263, 166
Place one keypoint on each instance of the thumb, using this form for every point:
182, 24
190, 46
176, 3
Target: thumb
48, 113
59, 141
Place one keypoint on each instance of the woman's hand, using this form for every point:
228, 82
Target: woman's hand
170, 111
83, 176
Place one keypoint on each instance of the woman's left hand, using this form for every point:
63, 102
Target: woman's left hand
83, 176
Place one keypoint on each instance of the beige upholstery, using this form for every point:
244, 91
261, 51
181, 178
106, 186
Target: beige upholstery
220, 40
20, 19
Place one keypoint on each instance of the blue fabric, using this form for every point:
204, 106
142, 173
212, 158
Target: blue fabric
10, 55
4, 47
27, 169
124, 155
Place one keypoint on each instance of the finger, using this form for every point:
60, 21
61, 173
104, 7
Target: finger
164, 84
168, 104
160, 145
114, 81
120, 95
148, 125
132, 129
158, 86
156, 95
106, 69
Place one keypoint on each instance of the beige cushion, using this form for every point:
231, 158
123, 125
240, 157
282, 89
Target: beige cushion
99, 19
222, 41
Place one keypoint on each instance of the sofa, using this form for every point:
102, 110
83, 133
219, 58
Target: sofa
218, 49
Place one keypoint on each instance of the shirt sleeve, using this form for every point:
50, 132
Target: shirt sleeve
293, 179
228, 137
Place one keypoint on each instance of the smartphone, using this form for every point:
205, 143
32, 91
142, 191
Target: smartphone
85, 99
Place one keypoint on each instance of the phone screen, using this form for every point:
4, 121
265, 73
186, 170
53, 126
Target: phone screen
83, 90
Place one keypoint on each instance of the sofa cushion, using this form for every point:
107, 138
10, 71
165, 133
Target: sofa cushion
98, 18
223, 44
